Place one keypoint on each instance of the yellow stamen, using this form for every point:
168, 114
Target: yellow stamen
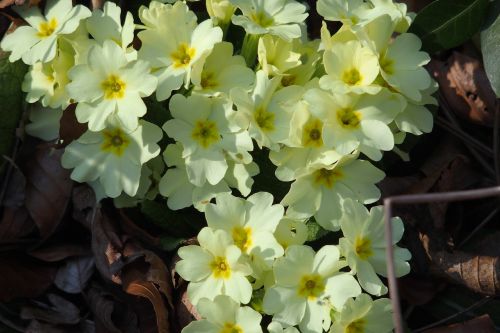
47, 28
205, 133
113, 87
357, 326
183, 55
363, 247
264, 119
220, 268
311, 286
312, 134
352, 77
208, 80
326, 177
115, 141
262, 19
231, 328
242, 237
348, 118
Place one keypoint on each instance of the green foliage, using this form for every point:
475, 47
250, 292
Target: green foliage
444, 24
11, 78
490, 46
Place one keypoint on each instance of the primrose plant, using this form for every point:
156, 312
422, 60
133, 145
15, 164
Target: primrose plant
180, 111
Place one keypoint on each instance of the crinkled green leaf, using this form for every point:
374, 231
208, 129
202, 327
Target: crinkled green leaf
444, 24
11, 101
490, 46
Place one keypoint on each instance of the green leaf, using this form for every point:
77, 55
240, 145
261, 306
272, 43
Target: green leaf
490, 46
169, 243
314, 230
11, 102
444, 24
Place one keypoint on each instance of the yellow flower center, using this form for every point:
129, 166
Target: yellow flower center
208, 80
352, 77
311, 286
47, 28
183, 56
262, 19
242, 237
348, 118
312, 134
113, 87
205, 133
363, 247
264, 119
288, 80
357, 326
231, 328
326, 177
220, 268
115, 141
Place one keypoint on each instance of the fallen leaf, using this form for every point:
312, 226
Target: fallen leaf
481, 324
6, 3
69, 127
59, 311
465, 86
48, 189
75, 275
110, 314
23, 276
59, 251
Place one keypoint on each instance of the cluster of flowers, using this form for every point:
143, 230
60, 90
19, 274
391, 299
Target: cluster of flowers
317, 105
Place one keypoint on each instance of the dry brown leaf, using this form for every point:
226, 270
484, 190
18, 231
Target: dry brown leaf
70, 129
482, 324
148, 290
477, 272
465, 86
48, 189
23, 276
59, 311
74, 276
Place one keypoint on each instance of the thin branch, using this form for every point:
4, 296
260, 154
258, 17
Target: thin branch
418, 199
444, 320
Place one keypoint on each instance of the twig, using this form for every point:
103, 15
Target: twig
444, 320
479, 226
496, 141
485, 164
464, 136
416, 199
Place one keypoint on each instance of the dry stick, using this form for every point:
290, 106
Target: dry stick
463, 136
496, 141
444, 320
479, 226
418, 199
446, 108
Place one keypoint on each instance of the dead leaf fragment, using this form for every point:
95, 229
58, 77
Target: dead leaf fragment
465, 86
75, 275
6, 3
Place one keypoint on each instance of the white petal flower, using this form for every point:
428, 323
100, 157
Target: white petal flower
321, 192
350, 67
221, 11
280, 17
223, 315
402, 66
113, 156
214, 268
172, 43
221, 72
356, 121
364, 245
266, 113
307, 286
44, 122
251, 223
364, 315
204, 128
38, 40
106, 24
291, 232
175, 184
349, 12
276, 56
109, 85
47, 81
